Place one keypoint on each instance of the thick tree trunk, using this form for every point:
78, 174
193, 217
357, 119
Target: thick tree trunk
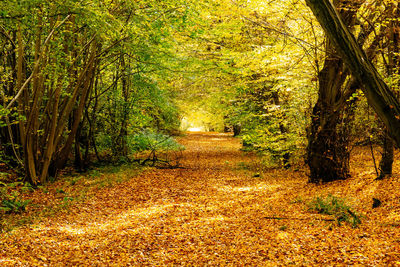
327, 150
376, 90
328, 155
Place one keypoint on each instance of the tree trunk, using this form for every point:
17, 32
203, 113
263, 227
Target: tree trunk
328, 155
285, 155
86, 78
120, 145
376, 90
237, 128
386, 163
125, 117
78, 162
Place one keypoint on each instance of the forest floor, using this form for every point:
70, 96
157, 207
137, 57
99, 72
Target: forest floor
218, 209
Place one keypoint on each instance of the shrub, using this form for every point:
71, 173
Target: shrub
161, 148
9, 199
150, 141
14, 205
336, 207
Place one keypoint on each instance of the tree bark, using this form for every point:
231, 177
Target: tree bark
84, 84
392, 66
327, 150
328, 156
375, 89
79, 162
386, 163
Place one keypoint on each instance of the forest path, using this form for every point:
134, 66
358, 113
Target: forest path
213, 211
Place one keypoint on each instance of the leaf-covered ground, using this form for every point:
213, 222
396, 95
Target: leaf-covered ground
214, 211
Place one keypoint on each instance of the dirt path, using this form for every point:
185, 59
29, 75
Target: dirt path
211, 212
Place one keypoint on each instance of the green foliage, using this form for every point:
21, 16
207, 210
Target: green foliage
103, 141
60, 191
3, 113
243, 166
128, 110
156, 149
27, 187
67, 202
73, 181
3, 175
14, 205
94, 174
268, 140
337, 207
251, 76
133, 42
151, 141
283, 228
10, 198
271, 129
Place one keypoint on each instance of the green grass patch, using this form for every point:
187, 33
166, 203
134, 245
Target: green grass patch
283, 228
336, 207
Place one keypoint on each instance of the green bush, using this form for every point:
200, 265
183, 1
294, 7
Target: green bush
151, 141
161, 150
336, 207
103, 142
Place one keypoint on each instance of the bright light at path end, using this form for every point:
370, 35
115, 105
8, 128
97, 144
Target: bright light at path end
195, 129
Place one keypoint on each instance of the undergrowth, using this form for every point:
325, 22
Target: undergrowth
10, 197
156, 148
332, 205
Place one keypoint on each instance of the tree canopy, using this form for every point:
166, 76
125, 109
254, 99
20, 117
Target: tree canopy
82, 78
102, 102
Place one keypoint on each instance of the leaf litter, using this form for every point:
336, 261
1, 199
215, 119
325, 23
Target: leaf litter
213, 211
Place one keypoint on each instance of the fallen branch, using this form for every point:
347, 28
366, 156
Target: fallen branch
295, 218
